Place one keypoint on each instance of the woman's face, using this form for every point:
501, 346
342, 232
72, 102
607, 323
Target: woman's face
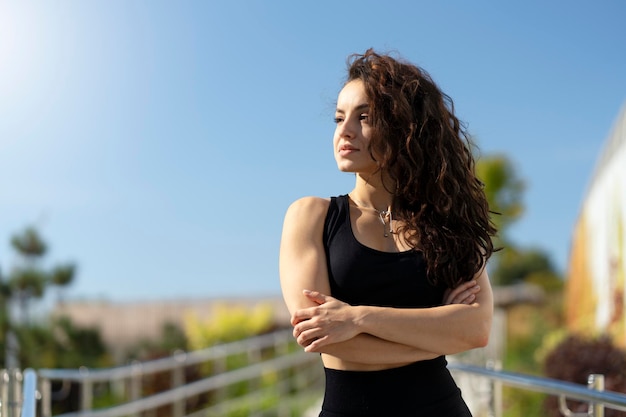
353, 131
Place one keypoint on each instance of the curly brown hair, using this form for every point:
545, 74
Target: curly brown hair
425, 153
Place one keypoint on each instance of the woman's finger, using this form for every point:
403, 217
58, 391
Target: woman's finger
316, 344
309, 336
317, 296
455, 295
302, 315
469, 299
303, 326
468, 296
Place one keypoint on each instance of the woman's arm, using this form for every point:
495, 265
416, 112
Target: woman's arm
367, 349
302, 265
442, 330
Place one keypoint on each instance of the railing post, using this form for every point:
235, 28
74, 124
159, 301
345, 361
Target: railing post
254, 384
136, 381
178, 379
4, 392
46, 398
16, 401
495, 406
596, 382
281, 348
281, 345
10, 392
86, 390
29, 393
219, 366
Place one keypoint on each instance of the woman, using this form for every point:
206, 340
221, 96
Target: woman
388, 279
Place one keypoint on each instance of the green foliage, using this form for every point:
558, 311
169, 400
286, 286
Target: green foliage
227, 324
28, 282
265, 402
548, 280
515, 265
503, 189
78, 346
550, 342
29, 243
526, 343
44, 344
260, 397
62, 275
28, 279
527, 325
60, 344
524, 403
172, 339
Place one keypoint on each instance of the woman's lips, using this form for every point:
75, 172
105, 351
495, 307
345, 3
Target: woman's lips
347, 150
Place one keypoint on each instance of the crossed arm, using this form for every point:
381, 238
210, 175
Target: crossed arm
366, 334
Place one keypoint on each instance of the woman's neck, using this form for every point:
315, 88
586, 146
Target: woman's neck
371, 194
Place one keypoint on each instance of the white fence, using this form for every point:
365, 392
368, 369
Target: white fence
275, 379
260, 376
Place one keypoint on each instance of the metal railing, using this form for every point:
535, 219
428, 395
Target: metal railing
30, 394
593, 393
282, 361
18, 393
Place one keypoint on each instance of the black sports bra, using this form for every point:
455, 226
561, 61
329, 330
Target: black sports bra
360, 275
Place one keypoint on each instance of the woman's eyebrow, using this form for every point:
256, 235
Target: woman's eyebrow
360, 107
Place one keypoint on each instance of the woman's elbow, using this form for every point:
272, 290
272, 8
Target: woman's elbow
480, 337
482, 340
475, 335
483, 319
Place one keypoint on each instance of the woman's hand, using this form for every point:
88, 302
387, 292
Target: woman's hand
465, 293
331, 321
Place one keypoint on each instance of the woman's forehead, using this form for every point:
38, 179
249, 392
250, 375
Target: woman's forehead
352, 95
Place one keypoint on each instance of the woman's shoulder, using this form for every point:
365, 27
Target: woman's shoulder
304, 219
309, 206
307, 212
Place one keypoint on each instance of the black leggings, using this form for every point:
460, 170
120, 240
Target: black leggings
423, 388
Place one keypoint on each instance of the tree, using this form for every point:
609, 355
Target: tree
512, 264
29, 279
6, 337
531, 265
503, 189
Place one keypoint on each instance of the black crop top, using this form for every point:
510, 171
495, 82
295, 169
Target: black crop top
360, 275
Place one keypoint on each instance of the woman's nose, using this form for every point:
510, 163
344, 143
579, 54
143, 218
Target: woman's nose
347, 129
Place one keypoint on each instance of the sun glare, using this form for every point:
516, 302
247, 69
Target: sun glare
19, 26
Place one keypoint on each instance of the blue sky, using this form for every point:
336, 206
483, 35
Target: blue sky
158, 144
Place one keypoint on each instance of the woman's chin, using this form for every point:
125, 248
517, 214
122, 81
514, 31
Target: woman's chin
344, 169
349, 166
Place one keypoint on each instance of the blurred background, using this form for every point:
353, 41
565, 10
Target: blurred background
149, 150
158, 145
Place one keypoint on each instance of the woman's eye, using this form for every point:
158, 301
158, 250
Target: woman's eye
364, 117
338, 119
